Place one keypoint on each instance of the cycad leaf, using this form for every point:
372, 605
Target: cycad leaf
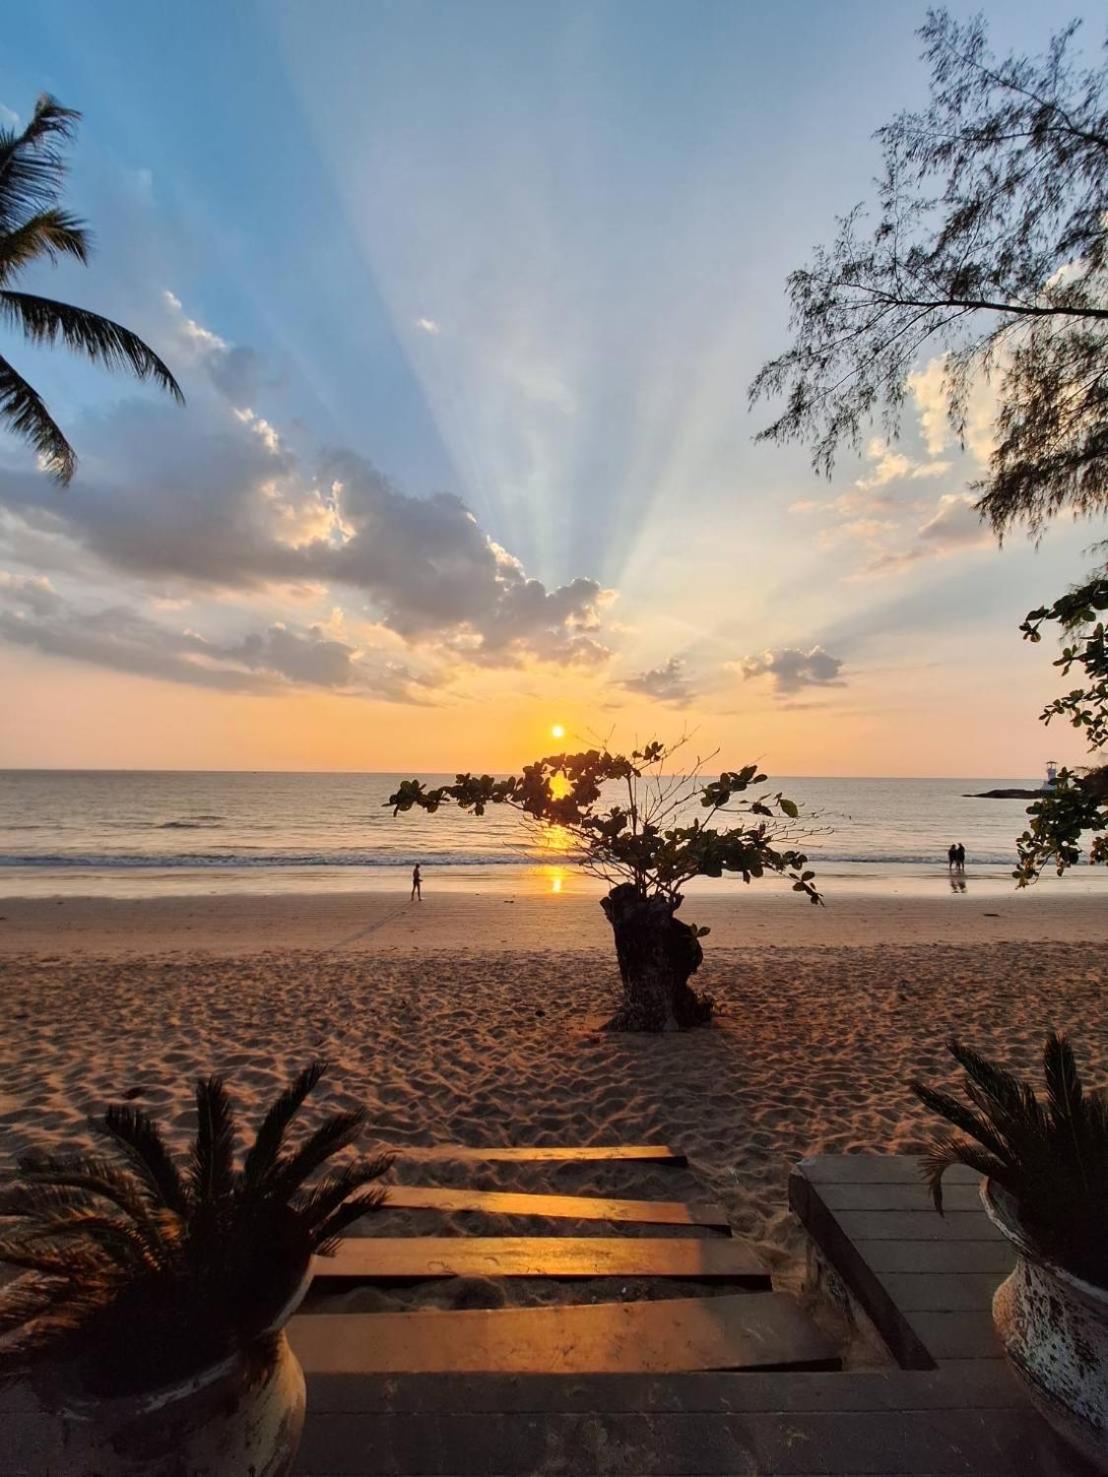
976, 1125
140, 1140
1063, 1083
328, 1232
325, 1198
945, 1152
335, 1134
213, 1152
263, 1156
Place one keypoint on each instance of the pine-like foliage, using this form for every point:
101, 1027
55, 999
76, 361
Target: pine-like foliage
1050, 1153
33, 227
134, 1270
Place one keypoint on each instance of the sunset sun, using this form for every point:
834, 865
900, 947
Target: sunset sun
558, 731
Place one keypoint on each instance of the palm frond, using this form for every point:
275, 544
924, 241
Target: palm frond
263, 1156
43, 321
51, 233
212, 1169
137, 1136
25, 411
332, 1136
32, 166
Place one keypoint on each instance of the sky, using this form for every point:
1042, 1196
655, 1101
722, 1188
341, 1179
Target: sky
465, 301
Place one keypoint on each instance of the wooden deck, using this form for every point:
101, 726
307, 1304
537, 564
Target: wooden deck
559, 1207
926, 1281
954, 1412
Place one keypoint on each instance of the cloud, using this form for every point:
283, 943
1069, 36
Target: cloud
213, 501
665, 684
928, 388
31, 590
954, 526
234, 370
9, 118
126, 640
789, 669
427, 325
895, 466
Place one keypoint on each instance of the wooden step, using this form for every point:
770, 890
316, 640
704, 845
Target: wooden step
563, 1207
414, 1258
766, 1330
544, 1154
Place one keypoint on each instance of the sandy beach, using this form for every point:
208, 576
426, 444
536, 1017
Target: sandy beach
474, 1020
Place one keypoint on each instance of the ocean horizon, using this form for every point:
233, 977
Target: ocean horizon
134, 832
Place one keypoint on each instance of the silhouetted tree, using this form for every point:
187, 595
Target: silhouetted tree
987, 244
1078, 803
33, 226
643, 845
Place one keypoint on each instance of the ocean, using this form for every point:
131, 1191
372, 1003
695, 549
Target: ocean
134, 833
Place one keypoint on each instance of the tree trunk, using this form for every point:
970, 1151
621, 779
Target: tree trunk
657, 953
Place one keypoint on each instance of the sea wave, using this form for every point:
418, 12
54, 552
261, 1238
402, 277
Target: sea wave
250, 858
161, 860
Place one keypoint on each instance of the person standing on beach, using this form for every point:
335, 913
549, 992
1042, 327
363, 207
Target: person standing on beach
960, 857
417, 885
952, 857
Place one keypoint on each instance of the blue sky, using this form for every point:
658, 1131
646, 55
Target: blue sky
528, 257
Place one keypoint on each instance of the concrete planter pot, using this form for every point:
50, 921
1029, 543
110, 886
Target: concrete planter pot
243, 1415
1054, 1328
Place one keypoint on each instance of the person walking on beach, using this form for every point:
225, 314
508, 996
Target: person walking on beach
417, 885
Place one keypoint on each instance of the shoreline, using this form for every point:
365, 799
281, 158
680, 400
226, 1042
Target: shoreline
492, 922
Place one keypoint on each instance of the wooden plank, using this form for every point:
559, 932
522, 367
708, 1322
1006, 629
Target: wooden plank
939, 1256
909, 1443
939, 1292
898, 1197
958, 1334
733, 1331
876, 1169
543, 1154
977, 1384
413, 1258
849, 1261
917, 1225
563, 1207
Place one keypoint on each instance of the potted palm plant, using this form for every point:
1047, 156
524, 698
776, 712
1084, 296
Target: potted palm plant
1045, 1162
150, 1296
